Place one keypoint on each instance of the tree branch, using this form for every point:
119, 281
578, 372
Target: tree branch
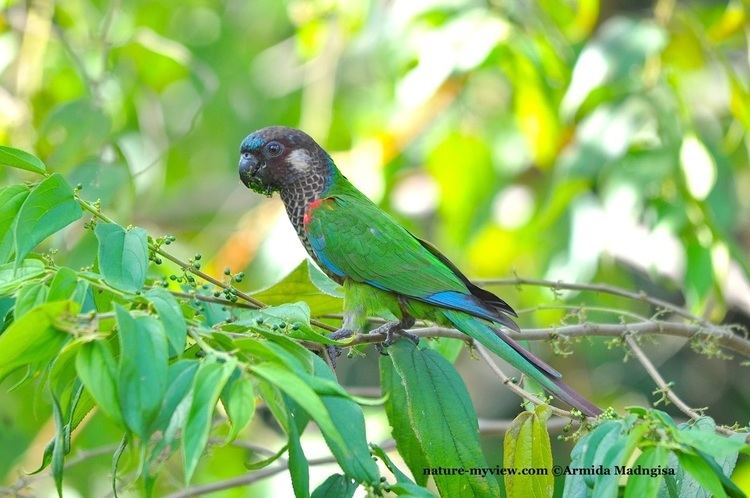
664, 386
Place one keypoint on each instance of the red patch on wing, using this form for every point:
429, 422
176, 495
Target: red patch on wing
310, 208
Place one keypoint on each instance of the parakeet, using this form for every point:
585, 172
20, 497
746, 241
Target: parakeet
384, 269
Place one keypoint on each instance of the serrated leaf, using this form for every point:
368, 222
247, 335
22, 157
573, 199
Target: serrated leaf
123, 255
48, 208
443, 418
527, 445
142, 370
11, 199
97, 369
20, 159
171, 317
335, 486
647, 486
209, 381
33, 339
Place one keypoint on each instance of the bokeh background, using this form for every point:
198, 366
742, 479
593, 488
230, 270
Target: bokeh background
579, 140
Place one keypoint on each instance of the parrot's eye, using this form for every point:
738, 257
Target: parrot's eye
273, 149
245, 155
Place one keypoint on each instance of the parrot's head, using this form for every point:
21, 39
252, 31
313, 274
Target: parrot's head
277, 158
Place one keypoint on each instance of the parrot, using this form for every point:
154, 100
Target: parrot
384, 270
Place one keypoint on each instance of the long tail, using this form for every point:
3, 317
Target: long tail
502, 345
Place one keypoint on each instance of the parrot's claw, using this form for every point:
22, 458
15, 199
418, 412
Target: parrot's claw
335, 351
392, 330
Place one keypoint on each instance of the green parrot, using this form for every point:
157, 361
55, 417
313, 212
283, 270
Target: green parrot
384, 270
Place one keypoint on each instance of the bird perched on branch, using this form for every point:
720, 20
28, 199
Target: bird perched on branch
384, 269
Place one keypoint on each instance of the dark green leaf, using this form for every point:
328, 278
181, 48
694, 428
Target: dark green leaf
97, 370
11, 199
171, 317
49, 208
123, 255
209, 381
21, 159
142, 370
335, 486
526, 445
443, 418
33, 339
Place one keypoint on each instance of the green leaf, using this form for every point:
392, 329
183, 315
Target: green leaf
142, 371
702, 472
238, 399
97, 370
210, 379
527, 445
12, 278
401, 427
29, 297
34, 339
354, 458
49, 208
288, 382
448, 347
443, 418
123, 255
171, 317
63, 284
18, 158
404, 486
335, 486
299, 468
180, 379
298, 285
11, 200
58, 449
647, 486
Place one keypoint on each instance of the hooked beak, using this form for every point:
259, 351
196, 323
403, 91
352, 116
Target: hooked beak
248, 169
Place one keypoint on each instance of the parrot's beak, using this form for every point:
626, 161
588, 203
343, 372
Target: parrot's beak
248, 168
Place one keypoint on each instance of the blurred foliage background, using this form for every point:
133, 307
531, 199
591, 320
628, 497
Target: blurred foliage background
574, 140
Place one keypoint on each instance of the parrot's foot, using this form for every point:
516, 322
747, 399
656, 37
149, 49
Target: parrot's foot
392, 330
334, 351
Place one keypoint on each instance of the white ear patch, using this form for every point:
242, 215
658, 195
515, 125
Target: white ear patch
300, 160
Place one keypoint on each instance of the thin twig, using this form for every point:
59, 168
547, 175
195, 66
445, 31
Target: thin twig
604, 288
508, 381
664, 386
724, 337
